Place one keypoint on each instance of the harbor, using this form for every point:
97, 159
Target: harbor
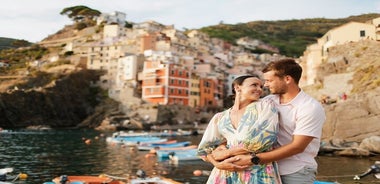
45, 155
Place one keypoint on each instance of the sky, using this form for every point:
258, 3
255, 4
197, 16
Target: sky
34, 20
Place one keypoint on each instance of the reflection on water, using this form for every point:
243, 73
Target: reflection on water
343, 169
48, 154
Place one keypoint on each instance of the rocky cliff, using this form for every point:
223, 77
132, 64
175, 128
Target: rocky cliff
58, 99
353, 69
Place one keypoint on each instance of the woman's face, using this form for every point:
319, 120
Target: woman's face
251, 89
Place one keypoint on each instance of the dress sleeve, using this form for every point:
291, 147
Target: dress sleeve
263, 132
211, 137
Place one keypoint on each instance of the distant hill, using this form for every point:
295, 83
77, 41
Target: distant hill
10, 43
290, 36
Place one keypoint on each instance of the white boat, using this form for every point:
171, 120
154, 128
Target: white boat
135, 140
373, 169
8, 179
153, 180
163, 145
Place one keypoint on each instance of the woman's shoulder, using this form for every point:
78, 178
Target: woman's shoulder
260, 103
270, 97
221, 113
266, 101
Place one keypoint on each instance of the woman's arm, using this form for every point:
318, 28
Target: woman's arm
223, 165
222, 152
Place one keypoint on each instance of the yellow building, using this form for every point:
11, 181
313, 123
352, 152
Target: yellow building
317, 53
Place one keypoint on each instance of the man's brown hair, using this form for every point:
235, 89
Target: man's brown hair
285, 67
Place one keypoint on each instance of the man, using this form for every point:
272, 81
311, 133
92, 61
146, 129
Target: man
301, 122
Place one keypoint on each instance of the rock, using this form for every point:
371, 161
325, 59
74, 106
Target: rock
65, 104
353, 120
353, 152
372, 144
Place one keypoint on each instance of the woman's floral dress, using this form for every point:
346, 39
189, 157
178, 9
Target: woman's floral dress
256, 132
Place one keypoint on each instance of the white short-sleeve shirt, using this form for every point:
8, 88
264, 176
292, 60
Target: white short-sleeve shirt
302, 116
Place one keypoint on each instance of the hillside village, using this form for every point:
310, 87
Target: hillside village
171, 67
150, 64
156, 63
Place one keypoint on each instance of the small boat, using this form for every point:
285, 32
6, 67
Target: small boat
324, 182
171, 133
178, 155
154, 180
64, 179
165, 133
189, 147
135, 140
129, 134
373, 169
3, 175
10, 179
163, 145
4, 130
184, 156
166, 153
142, 179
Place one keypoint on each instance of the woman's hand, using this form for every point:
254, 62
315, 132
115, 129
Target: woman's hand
240, 160
230, 165
220, 153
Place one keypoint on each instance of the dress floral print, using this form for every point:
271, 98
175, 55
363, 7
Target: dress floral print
256, 132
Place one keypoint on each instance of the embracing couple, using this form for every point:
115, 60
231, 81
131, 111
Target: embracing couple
270, 140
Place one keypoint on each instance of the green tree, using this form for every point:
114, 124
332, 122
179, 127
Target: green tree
20, 43
80, 13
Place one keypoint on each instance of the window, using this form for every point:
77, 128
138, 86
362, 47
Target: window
362, 33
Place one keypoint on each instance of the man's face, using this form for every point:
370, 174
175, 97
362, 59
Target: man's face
275, 84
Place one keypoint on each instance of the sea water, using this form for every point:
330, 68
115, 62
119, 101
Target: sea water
44, 155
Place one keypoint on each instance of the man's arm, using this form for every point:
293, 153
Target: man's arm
298, 145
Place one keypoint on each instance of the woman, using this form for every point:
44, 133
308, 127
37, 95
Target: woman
248, 127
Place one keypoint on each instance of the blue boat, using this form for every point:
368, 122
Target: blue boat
135, 140
324, 182
177, 155
163, 145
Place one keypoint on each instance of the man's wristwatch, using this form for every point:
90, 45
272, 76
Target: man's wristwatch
255, 159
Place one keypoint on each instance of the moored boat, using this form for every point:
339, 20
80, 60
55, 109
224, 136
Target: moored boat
324, 182
163, 145
178, 155
135, 140
142, 179
5, 178
64, 179
153, 180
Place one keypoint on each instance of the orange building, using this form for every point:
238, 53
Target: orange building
211, 91
207, 87
165, 83
148, 42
